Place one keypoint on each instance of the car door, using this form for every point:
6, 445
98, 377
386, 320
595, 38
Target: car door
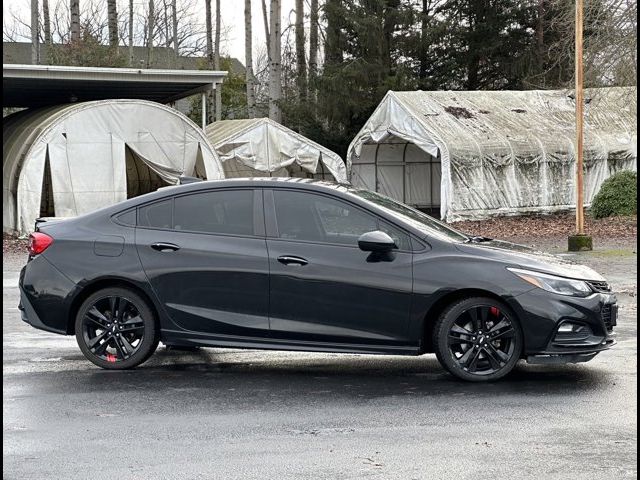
205, 256
323, 287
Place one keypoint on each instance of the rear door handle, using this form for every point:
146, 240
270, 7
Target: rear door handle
165, 247
292, 260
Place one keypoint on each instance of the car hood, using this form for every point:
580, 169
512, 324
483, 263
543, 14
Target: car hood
525, 257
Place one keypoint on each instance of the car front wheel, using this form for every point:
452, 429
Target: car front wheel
116, 329
478, 339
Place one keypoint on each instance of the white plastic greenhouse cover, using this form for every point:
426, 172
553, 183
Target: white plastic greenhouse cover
86, 146
262, 147
501, 152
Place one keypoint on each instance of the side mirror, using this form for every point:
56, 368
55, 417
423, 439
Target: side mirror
376, 241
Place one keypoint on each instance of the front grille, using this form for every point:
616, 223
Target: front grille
602, 287
608, 315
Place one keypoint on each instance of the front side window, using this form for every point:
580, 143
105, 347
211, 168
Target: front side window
228, 212
316, 218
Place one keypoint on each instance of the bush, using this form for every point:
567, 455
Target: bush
618, 195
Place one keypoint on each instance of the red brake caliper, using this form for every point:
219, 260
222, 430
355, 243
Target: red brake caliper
494, 311
111, 358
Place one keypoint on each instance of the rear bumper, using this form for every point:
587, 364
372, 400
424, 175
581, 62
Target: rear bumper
30, 316
45, 296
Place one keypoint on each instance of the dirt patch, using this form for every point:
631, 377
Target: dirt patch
553, 228
13, 245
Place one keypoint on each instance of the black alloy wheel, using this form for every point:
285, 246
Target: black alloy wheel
115, 329
478, 339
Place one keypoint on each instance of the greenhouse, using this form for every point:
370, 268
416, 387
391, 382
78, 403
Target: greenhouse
71, 159
261, 147
467, 155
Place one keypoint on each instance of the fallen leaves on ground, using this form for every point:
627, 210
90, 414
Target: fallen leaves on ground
550, 226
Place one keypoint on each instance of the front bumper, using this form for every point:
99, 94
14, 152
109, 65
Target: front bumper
543, 315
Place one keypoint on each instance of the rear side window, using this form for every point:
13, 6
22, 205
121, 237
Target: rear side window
128, 218
156, 215
227, 212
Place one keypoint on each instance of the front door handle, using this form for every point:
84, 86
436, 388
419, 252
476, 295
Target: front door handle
165, 247
292, 260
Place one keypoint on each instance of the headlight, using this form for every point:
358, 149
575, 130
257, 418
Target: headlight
551, 283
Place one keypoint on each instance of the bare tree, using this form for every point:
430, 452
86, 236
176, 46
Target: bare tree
301, 61
174, 24
131, 33
265, 19
248, 56
46, 23
313, 45
275, 65
216, 63
150, 27
209, 27
112, 10
74, 11
35, 38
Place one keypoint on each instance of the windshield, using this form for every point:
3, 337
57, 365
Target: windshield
415, 218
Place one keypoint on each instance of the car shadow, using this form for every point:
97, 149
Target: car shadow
237, 375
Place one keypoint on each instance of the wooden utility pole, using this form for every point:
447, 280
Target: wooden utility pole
579, 241
579, 118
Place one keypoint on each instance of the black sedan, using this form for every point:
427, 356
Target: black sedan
291, 264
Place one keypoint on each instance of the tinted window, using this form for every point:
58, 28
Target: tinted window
224, 212
305, 216
416, 218
128, 217
156, 215
401, 238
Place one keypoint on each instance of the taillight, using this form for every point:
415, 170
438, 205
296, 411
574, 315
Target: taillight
39, 242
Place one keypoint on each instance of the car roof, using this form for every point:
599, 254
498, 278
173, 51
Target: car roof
256, 182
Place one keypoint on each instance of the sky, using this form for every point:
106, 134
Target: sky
231, 12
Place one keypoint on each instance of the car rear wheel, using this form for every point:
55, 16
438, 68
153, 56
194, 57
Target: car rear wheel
116, 329
478, 339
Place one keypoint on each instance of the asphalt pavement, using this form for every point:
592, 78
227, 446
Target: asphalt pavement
245, 414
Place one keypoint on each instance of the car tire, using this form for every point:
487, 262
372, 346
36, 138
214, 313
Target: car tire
116, 329
478, 339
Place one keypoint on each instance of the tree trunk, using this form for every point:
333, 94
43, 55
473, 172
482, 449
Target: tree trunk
301, 62
422, 74
74, 9
35, 34
540, 37
216, 63
112, 13
388, 28
151, 26
167, 25
265, 19
313, 45
174, 22
275, 65
47, 23
131, 33
333, 54
248, 57
209, 28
